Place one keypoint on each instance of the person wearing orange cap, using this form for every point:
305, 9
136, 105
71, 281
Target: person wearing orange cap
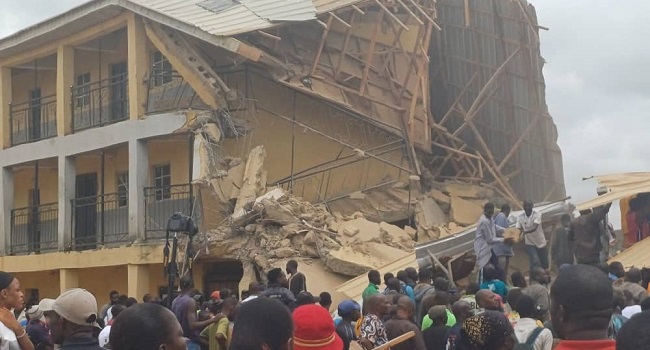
216, 295
314, 329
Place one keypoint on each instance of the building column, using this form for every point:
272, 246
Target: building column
138, 281
138, 66
198, 276
138, 178
6, 204
5, 106
68, 279
67, 179
64, 82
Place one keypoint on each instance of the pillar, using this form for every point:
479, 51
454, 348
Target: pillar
247, 277
67, 177
6, 204
138, 281
138, 178
68, 279
198, 274
64, 81
138, 66
5, 110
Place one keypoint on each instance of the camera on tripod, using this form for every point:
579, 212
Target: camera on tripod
179, 222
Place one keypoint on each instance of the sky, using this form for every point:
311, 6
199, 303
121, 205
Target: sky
597, 80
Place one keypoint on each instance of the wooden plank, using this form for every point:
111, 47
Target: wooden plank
321, 45
391, 15
519, 141
344, 49
370, 53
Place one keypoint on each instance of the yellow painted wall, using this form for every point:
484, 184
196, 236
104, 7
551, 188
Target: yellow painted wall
311, 149
24, 181
24, 80
116, 161
47, 282
100, 281
173, 151
115, 50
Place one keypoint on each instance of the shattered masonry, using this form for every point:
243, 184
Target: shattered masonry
410, 112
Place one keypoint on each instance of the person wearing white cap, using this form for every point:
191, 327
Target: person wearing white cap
75, 320
37, 329
12, 335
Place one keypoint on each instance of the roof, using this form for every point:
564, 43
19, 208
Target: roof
619, 186
635, 256
208, 20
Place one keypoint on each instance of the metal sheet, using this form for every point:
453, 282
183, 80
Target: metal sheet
282, 10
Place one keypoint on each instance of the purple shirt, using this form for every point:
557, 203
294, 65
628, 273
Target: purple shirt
180, 308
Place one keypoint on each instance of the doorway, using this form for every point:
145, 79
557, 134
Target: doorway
223, 274
119, 92
85, 223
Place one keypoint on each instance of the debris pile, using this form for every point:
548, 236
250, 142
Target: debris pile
267, 225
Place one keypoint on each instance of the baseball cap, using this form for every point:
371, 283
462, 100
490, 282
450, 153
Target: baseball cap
46, 304
34, 313
306, 298
347, 306
314, 329
78, 306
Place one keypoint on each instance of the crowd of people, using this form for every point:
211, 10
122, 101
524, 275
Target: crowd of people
589, 305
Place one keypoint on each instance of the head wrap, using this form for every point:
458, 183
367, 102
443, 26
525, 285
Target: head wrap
487, 329
5, 279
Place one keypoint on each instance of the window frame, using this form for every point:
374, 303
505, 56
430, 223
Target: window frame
82, 90
122, 189
162, 182
161, 69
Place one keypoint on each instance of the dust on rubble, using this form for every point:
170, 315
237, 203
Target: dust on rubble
348, 237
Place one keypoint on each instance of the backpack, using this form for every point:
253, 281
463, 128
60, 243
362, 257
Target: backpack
528, 345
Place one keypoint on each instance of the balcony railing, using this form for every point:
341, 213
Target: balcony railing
34, 120
161, 203
168, 91
100, 103
35, 229
99, 220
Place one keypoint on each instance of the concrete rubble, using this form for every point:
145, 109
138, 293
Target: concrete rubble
267, 225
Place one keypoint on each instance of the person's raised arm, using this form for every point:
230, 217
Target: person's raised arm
8, 319
193, 322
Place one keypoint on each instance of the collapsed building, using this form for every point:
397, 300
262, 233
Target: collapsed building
341, 131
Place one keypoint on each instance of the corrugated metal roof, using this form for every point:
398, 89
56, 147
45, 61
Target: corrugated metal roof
244, 15
635, 256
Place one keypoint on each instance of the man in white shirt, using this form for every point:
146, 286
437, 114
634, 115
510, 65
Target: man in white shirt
530, 224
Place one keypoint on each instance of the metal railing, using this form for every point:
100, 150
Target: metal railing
33, 120
99, 220
161, 203
34, 229
169, 91
100, 103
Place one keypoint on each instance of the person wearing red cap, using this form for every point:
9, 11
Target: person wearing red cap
216, 295
314, 329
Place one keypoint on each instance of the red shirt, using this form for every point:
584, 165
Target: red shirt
586, 345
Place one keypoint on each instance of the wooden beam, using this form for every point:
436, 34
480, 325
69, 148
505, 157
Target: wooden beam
458, 98
269, 36
391, 15
323, 38
519, 141
371, 49
189, 64
80, 37
468, 18
344, 49
408, 10
340, 20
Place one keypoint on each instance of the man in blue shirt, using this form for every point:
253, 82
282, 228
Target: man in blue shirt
493, 283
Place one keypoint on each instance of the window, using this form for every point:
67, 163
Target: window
123, 189
162, 69
82, 90
162, 179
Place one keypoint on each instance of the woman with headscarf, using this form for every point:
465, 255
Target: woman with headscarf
489, 330
12, 335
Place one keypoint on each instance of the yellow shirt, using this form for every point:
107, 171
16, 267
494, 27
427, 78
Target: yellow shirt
210, 333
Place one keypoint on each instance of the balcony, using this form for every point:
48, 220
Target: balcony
99, 220
33, 121
161, 203
168, 91
100, 103
34, 229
